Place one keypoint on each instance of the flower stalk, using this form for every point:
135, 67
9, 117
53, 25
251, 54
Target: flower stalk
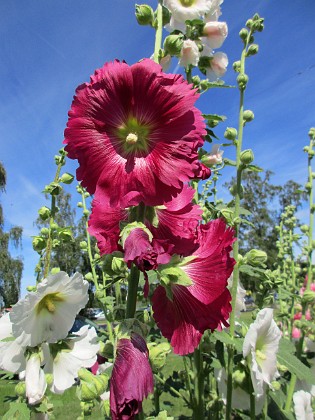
158, 32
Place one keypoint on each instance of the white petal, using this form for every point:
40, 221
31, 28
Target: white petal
302, 405
35, 380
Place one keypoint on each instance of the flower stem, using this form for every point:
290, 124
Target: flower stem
158, 32
198, 412
311, 217
133, 282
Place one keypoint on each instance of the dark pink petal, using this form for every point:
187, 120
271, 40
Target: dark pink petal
132, 378
163, 104
184, 319
202, 172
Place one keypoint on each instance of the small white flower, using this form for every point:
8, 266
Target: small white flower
302, 405
11, 352
214, 157
65, 359
261, 345
183, 10
189, 54
35, 381
49, 313
215, 34
218, 65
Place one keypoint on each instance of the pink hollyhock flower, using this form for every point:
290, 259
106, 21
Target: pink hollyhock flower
176, 219
296, 333
189, 54
135, 132
218, 65
132, 378
203, 172
184, 312
215, 34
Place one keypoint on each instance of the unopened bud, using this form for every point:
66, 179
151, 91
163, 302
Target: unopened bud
252, 50
311, 133
44, 231
311, 153
237, 66
308, 186
83, 245
243, 34
308, 296
44, 213
173, 44
39, 243
304, 228
306, 149
89, 276
276, 385
66, 178
242, 80
20, 389
249, 23
247, 156
31, 288
230, 133
144, 14
255, 257
55, 270
248, 115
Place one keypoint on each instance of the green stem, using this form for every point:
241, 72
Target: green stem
156, 401
252, 406
133, 282
158, 33
187, 381
311, 223
199, 411
162, 381
290, 393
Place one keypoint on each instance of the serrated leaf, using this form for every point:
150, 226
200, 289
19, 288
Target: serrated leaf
18, 411
295, 366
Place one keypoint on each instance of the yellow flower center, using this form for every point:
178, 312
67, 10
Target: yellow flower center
134, 136
187, 3
49, 302
260, 355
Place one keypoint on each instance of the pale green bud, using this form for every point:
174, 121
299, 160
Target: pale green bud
44, 231
311, 153
31, 288
237, 66
39, 243
89, 276
144, 14
83, 245
230, 133
66, 178
55, 270
243, 34
308, 186
255, 257
86, 212
311, 133
80, 204
53, 188
308, 296
252, 50
242, 80
173, 44
44, 213
248, 115
247, 156
306, 149
20, 389
249, 23
304, 228
239, 376
276, 385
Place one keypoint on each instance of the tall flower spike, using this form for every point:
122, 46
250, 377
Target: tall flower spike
132, 378
49, 313
135, 132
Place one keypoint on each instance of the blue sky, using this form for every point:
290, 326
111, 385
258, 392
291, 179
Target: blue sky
50, 47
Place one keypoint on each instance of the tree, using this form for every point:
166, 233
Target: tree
265, 201
10, 268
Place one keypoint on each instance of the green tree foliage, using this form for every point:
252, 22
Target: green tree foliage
10, 268
266, 202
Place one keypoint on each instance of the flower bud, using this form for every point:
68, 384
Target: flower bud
157, 355
89, 276
308, 296
144, 14
242, 80
249, 23
243, 34
308, 186
239, 376
247, 156
248, 115
66, 178
255, 257
83, 245
31, 288
20, 389
53, 188
44, 231
86, 212
311, 153
230, 133
173, 44
237, 66
55, 270
311, 133
306, 149
39, 243
276, 385
304, 228
44, 213
252, 50
80, 204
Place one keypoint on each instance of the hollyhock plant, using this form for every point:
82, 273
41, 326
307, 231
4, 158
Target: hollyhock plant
194, 295
49, 313
135, 132
261, 345
65, 358
132, 378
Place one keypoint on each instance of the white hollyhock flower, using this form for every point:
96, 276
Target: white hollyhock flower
218, 65
65, 359
240, 295
214, 157
215, 11
261, 344
302, 405
189, 54
11, 352
215, 34
35, 381
49, 313
183, 10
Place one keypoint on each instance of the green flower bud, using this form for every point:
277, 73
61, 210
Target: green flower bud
80, 204
66, 178
311, 153
166, 16
230, 133
239, 376
249, 23
44, 213
237, 66
276, 385
86, 212
308, 296
227, 214
20, 389
83, 245
304, 228
38, 243
248, 115
49, 378
65, 235
306, 149
311, 133
308, 186
31, 288
99, 294
242, 80
44, 231
157, 355
53, 188
243, 34
144, 14
247, 156
173, 44
89, 276
255, 257
252, 50
55, 270
282, 368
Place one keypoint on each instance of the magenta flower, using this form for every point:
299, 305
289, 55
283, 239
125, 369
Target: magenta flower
184, 312
176, 222
135, 132
132, 378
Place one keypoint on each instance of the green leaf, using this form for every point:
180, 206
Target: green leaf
229, 162
295, 366
253, 168
18, 411
286, 345
225, 338
279, 398
213, 119
244, 211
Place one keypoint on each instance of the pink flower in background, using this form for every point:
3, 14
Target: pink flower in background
296, 333
135, 132
132, 378
203, 172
